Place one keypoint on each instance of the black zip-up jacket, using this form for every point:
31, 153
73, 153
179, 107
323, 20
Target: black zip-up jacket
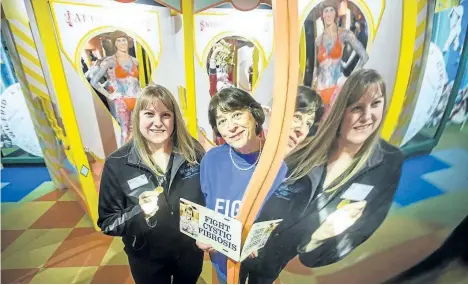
121, 215
304, 207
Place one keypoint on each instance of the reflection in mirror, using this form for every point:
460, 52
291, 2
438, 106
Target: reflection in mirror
336, 35
306, 118
109, 63
338, 191
230, 63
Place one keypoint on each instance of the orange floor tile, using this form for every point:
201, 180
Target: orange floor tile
50, 239
18, 276
63, 214
9, 236
113, 274
82, 247
52, 196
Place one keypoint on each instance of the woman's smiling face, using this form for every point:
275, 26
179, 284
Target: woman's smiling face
363, 118
237, 128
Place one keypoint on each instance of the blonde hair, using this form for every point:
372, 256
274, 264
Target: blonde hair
182, 142
315, 152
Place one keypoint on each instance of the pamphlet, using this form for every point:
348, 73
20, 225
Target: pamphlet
221, 232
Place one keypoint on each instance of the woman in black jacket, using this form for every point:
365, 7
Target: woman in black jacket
141, 185
340, 186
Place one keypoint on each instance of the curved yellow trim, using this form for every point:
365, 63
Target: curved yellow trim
75, 3
408, 38
141, 60
222, 35
102, 29
305, 12
207, 139
362, 5
379, 20
255, 67
189, 51
154, 61
212, 13
302, 56
59, 83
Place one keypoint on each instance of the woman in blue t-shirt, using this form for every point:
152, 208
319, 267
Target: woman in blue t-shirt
225, 171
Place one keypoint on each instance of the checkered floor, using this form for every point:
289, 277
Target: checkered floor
49, 239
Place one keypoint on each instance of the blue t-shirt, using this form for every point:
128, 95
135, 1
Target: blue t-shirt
223, 186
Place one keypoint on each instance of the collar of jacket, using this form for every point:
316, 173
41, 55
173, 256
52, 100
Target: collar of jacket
315, 175
376, 158
135, 159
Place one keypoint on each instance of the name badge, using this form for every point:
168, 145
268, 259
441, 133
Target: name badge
357, 192
137, 181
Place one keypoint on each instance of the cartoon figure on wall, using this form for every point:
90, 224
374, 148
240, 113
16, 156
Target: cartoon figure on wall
328, 50
116, 77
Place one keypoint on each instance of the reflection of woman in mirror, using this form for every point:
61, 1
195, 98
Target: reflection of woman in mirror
308, 112
225, 171
340, 185
328, 74
123, 85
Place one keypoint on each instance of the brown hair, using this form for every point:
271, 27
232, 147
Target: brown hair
119, 34
309, 102
233, 99
329, 3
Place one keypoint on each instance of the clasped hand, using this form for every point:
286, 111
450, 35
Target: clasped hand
336, 223
148, 201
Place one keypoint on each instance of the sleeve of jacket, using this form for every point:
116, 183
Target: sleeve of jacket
114, 218
336, 248
204, 183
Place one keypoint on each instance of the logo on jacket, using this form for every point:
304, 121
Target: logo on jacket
189, 171
287, 191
